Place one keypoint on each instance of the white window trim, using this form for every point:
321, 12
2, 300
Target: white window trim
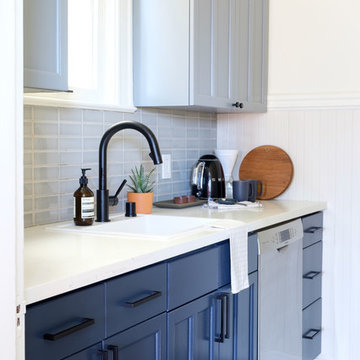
54, 99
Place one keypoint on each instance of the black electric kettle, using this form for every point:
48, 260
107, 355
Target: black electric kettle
207, 178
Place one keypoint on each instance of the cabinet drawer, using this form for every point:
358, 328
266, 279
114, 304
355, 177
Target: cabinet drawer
312, 267
135, 297
66, 324
311, 341
313, 228
197, 274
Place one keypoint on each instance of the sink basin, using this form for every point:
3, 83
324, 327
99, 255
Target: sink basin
159, 227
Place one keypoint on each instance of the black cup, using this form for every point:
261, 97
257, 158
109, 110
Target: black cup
241, 190
254, 190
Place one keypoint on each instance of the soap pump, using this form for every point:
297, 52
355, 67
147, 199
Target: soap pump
84, 205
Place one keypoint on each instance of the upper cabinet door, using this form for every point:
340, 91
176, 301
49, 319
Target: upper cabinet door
45, 45
201, 54
211, 51
258, 54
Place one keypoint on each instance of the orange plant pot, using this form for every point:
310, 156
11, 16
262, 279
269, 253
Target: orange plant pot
143, 201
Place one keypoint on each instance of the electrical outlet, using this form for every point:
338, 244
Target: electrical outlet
166, 166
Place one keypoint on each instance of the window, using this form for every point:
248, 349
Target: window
99, 57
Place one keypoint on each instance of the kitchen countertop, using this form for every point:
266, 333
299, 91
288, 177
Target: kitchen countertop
59, 261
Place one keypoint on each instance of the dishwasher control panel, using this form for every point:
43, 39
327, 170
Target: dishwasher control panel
280, 236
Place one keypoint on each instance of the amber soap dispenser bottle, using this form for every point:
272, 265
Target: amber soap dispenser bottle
84, 205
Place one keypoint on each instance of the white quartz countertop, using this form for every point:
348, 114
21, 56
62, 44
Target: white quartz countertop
57, 261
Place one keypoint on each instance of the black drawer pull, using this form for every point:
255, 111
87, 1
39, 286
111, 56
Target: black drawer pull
83, 324
104, 354
153, 295
311, 334
311, 274
313, 229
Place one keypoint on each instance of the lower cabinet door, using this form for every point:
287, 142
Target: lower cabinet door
238, 320
311, 341
191, 330
217, 326
245, 321
143, 341
91, 353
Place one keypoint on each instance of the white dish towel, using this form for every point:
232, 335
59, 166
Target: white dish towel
238, 236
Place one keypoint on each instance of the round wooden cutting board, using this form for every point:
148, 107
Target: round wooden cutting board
272, 166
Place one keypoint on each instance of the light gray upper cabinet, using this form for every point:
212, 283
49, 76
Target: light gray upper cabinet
201, 54
45, 45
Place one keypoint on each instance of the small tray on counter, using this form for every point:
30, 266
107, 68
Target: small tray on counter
171, 205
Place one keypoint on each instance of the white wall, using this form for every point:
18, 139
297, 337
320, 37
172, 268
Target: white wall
313, 48
314, 115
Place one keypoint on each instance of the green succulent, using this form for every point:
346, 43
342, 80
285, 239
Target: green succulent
141, 182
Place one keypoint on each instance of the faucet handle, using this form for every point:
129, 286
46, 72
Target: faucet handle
113, 200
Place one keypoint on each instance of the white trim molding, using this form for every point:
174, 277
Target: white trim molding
38, 100
334, 100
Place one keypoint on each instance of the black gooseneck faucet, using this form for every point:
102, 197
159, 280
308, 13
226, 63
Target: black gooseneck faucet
102, 195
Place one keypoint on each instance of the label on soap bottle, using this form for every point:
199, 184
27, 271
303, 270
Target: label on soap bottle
87, 207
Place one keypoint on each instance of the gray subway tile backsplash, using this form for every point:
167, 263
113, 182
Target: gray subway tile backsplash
47, 202
46, 158
46, 128
93, 116
71, 129
45, 143
46, 173
43, 113
60, 141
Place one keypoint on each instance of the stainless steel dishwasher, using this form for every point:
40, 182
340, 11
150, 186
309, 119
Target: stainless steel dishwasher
280, 292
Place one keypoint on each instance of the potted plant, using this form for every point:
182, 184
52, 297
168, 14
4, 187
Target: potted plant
142, 190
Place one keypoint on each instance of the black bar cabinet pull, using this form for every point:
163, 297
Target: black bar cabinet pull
83, 324
312, 229
104, 354
224, 319
115, 351
153, 295
311, 274
311, 334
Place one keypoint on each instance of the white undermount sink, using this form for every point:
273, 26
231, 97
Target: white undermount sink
157, 227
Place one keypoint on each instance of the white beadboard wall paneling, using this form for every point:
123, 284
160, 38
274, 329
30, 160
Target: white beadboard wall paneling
325, 149
355, 220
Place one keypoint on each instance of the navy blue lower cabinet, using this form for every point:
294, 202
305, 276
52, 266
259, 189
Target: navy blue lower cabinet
312, 282
236, 323
146, 340
246, 320
93, 353
191, 330
65, 325
217, 326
